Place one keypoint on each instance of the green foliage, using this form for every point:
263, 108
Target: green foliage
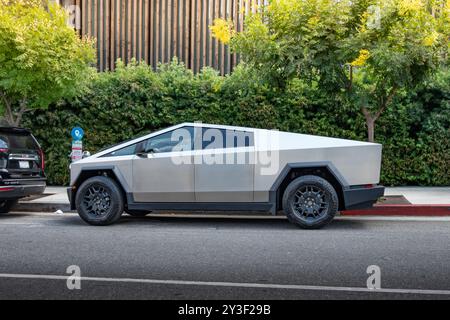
364, 50
316, 39
397, 44
134, 100
296, 38
41, 58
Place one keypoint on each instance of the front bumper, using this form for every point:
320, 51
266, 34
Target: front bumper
362, 197
15, 191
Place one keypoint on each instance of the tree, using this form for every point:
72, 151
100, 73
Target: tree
367, 50
42, 59
400, 44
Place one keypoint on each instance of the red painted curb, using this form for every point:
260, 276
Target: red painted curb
437, 210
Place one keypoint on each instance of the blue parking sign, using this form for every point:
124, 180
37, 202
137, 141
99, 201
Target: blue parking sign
77, 133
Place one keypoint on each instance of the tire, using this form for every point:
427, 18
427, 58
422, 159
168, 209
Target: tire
7, 205
310, 202
137, 213
99, 201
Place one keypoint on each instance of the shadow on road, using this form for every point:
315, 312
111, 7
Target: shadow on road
220, 222
225, 223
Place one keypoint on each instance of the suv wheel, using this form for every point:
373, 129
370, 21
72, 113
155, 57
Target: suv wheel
99, 201
6, 205
310, 202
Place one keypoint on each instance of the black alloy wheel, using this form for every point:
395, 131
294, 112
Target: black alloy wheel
310, 202
99, 201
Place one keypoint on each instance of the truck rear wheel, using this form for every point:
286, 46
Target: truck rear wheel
310, 202
99, 201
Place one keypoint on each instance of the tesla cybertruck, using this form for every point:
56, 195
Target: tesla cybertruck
202, 167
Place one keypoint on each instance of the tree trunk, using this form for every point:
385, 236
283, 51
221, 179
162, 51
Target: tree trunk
22, 110
370, 123
372, 117
9, 114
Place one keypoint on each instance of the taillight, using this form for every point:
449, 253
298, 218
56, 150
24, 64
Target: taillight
41, 154
5, 150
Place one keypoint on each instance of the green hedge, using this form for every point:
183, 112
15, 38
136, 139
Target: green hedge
134, 99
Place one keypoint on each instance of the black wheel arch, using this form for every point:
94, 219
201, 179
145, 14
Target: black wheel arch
87, 173
291, 171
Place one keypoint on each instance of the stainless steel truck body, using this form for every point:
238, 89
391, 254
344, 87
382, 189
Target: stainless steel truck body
194, 166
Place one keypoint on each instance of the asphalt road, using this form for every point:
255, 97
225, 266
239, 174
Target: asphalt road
218, 258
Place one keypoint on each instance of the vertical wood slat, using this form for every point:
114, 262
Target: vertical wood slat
158, 30
169, 27
157, 27
123, 29
99, 33
139, 30
215, 42
186, 41
197, 15
117, 32
107, 34
204, 32
151, 30
192, 35
129, 28
145, 23
207, 41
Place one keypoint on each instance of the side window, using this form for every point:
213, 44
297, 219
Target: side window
176, 140
237, 139
214, 138
127, 151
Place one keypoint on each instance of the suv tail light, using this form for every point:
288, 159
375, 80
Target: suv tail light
41, 154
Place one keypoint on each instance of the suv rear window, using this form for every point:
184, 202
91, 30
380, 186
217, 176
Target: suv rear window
17, 141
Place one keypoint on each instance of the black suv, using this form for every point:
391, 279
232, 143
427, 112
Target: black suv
21, 166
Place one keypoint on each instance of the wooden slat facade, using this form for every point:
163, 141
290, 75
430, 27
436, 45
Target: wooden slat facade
158, 30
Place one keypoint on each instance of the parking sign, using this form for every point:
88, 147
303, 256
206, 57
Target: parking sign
77, 133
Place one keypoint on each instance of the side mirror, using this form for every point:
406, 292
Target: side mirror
142, 155
145, 154
86, 154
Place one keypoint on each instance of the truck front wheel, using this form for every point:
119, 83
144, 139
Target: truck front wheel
99, 201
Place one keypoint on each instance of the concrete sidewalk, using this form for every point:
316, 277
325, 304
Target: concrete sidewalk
396, 198
421, 195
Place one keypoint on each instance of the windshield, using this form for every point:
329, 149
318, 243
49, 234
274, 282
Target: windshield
141, 134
